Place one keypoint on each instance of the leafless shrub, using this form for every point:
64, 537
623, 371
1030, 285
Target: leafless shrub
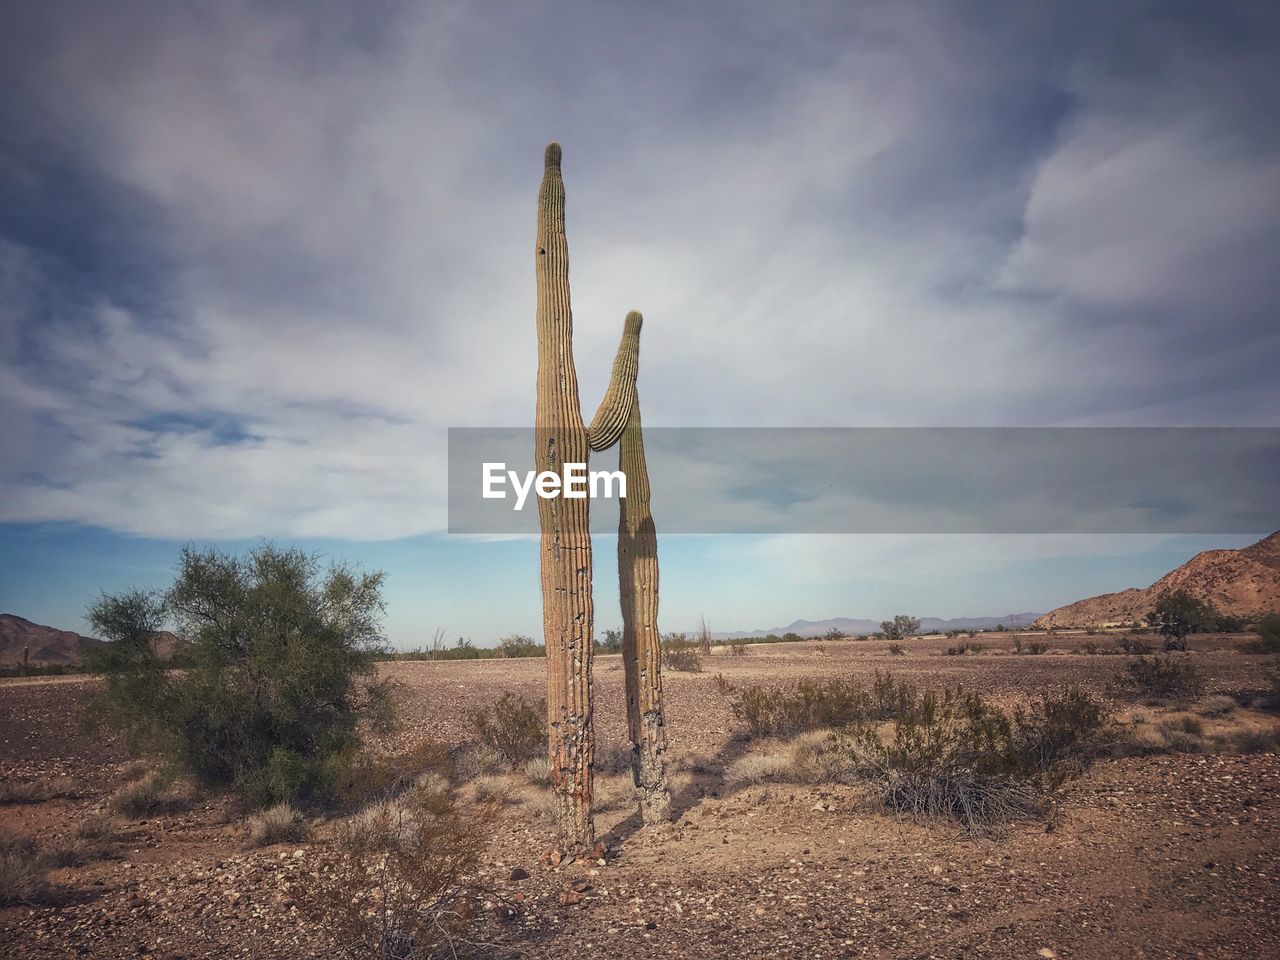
97, 827
738, 647
703, 637
723, 686
513, 726
397, 883
686, 660
22, 871
1163, 677
495, 790
278, 824
476, 760
613, 757
896, 649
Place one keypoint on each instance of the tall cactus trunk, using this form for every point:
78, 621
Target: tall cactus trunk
561, 437
641, 643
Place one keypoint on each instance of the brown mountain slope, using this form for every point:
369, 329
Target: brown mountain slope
1238, 582
46, 645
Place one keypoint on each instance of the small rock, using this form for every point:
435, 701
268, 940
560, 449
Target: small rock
519, 873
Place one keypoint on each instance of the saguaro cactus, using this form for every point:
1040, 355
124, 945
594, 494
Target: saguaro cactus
641, 644
560, 438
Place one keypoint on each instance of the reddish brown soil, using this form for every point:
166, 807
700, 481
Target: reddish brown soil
1165, 856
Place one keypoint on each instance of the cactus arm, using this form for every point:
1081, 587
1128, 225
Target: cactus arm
611, 416
641, 642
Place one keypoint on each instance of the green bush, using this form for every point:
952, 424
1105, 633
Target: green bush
271, 697
512, 727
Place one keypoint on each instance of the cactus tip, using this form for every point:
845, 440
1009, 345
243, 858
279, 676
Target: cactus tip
634, 320
552, 157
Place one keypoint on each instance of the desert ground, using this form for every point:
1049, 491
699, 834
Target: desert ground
1169, 855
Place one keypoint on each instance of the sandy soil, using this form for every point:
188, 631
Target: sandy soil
1165, 856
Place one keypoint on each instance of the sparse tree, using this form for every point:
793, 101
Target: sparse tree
1177, 614
900, 627
271, 697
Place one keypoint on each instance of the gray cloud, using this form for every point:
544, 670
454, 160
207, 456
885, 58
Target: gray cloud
254, 260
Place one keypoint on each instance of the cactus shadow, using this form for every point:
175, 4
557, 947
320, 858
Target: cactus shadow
707, 780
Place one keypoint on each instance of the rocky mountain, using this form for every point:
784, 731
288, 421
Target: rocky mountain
46, 645
1239, 582
853, 628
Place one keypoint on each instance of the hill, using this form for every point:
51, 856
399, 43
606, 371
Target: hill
49, 646
1238, 582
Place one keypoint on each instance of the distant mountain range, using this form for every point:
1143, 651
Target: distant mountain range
49, 646
852, 627
1242, 583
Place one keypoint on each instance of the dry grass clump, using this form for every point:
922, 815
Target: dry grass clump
752, 769
476, 760
538, 770
1218, 706
512, 727
896, 650
13, 792
22, 870
96, 827
1161, 677
149, 795
492, 789
279, 824
399, 878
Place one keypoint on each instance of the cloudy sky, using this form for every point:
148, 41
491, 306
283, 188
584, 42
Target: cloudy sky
255, 259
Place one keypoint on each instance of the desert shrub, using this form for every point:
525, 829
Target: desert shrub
1248, 741
75, 852
803, 705
97, 827
1182, 735
278, 824
1177, 614
1089, 647
1269, 632
1037, 647
1219, 706
723, 686
1134, 647
476, 760
738, 647
1162, 677
22, 871
896, 649
518, 645
963, 647
14, 792
396, 882
703, 637
947, 754
684, 660
900, 627
538, 770
271, 696
613, 757
369, 775
515, 728
144, 797
492, 789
